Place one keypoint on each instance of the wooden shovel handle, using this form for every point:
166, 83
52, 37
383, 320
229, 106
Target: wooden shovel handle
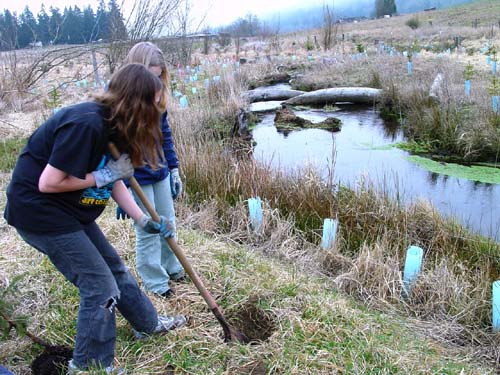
179, 253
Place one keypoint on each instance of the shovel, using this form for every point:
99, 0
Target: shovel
230, 334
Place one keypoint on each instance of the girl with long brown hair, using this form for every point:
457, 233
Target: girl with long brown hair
62, 182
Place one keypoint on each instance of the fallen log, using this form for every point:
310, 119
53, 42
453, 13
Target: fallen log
361, 95
269, 94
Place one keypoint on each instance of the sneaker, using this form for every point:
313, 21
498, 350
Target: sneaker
165, 323
169, 293
111, 370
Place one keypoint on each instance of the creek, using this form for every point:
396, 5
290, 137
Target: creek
362, 151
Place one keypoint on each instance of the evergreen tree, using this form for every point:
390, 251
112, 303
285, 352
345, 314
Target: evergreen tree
88, 25
102, 29
8, 30
28, 29
55, 25
72, 26
117, 29
43, 26
383, 7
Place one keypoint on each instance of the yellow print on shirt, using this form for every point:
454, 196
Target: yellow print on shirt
96, 196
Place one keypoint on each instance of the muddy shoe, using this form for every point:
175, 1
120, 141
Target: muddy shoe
111, 370
165, 323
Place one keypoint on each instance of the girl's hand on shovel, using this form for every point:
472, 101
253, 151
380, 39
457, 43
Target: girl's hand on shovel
165, 227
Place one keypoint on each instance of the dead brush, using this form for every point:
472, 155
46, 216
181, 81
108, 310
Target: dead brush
334, 263
374, 277
444, 291
425, 227
204, 217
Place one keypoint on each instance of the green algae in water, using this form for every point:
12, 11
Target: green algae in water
370, 146
474, 173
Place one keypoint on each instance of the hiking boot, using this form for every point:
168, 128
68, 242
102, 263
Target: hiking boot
111, 370
165, 323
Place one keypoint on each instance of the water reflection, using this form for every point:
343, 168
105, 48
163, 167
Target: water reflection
361, 149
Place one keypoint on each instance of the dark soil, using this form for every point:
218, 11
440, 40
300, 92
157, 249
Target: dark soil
53, 361
255, 323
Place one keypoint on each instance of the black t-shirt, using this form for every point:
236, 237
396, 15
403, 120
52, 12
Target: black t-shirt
74, 140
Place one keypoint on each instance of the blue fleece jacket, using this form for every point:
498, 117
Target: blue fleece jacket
146, 176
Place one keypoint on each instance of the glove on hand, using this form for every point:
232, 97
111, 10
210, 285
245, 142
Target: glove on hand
175, 183
165, 228
114, 170
121, 214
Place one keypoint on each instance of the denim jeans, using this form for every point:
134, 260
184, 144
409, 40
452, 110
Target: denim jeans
156, 262
89, 261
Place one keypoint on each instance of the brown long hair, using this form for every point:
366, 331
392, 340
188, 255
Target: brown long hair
150, 55
134, 114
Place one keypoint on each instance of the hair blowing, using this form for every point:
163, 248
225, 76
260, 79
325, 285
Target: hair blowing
150, 55
133, 113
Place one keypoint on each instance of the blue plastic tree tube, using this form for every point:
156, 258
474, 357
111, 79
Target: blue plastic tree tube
255, 211
496, 306
183, 101
410, 67
329, 233
467, 87
413, 264
494, 103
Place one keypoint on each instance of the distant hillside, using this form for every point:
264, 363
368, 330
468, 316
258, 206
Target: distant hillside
312, 17
410, 6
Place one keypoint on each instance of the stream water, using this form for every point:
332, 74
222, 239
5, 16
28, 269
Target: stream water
359, 152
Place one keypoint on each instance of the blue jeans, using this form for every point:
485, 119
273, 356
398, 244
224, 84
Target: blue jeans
156, 262
89, 261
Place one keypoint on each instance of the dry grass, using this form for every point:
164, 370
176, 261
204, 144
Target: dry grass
305, 291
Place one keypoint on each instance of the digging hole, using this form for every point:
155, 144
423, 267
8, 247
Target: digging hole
255, 323
53, 361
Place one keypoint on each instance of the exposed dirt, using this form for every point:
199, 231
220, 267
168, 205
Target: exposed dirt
53, 361
255, 323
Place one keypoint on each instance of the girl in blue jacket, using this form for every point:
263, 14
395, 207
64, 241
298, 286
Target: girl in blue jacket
156, 263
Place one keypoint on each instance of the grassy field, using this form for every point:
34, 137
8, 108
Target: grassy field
305, 324
313, 311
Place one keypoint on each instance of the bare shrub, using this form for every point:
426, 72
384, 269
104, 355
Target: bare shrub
446, 292
374, 276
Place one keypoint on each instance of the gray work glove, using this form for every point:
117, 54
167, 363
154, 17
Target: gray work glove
175, 183
114, 170
165, 227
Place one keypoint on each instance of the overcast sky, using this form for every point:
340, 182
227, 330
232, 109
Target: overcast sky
218, 11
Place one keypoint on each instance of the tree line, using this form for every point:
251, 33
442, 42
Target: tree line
70, 26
